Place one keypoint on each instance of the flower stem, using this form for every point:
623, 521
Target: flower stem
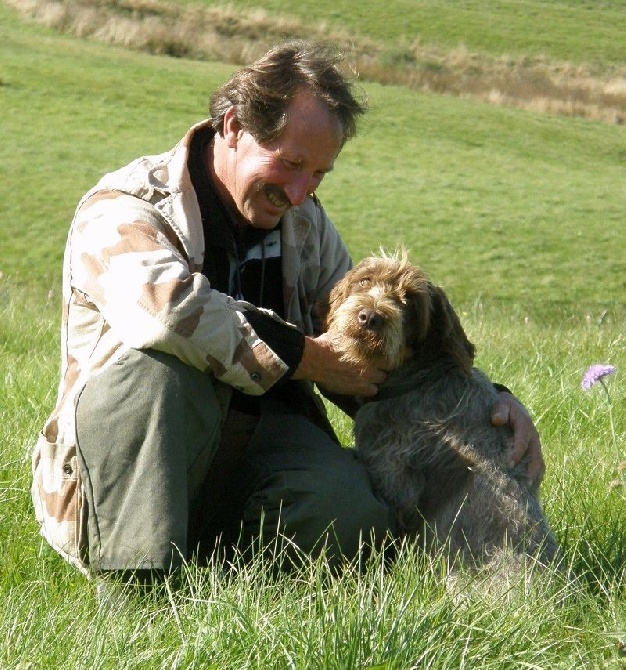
611, 422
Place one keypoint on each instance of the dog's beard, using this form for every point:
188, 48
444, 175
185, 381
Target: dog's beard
382, 345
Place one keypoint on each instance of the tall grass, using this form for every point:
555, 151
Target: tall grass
377, 617
396, 614
519, 215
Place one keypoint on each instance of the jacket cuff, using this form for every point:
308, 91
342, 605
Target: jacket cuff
285, 340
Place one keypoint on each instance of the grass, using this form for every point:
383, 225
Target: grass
564, 29
528, 202
518, 54
517, 214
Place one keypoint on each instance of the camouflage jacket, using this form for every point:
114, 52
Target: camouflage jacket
132, 279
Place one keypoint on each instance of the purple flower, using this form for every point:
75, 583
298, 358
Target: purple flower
596, 373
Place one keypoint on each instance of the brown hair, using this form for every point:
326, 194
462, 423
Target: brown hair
262, 92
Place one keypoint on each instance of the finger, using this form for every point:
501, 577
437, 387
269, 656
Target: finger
527, 446
521, 446
376, 376
368, 372
349, 386
536, 466
501, 413
369, 390
368, 380
500, 416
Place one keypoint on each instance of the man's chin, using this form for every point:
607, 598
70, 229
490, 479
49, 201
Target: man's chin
265, 222
264, 225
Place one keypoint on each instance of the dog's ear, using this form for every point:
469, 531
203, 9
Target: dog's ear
419, 314
450, 331
439, 332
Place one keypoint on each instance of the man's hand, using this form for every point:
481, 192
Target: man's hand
508, 410
322, 363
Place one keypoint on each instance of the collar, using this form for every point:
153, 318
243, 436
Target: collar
407, 380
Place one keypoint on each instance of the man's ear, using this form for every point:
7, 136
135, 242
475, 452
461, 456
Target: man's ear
232, 127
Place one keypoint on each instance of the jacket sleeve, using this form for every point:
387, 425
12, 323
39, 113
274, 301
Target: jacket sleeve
129, 264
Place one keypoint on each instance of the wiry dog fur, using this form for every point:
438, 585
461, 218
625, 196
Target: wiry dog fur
429, 443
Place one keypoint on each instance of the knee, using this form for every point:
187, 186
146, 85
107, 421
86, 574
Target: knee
330, 509
349, 514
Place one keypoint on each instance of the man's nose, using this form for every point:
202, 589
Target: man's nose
299, 188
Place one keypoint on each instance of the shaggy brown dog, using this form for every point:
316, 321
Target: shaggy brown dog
427, 438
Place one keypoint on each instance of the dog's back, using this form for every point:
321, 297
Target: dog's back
435, 455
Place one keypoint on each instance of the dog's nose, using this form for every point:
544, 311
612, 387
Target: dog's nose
370, 319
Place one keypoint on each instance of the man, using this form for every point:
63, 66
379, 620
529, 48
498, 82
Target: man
191, 339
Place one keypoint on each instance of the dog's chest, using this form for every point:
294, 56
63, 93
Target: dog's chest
451, 407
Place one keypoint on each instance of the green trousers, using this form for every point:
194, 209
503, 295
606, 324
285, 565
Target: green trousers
163, 484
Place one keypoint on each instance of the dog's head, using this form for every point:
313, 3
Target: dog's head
386, 311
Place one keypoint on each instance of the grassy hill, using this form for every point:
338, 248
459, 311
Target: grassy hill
494, 202
559, 57
567, 30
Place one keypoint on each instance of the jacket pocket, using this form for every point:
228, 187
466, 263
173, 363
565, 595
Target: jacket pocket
58, 498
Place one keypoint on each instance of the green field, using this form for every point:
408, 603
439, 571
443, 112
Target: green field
519, 215
570, 30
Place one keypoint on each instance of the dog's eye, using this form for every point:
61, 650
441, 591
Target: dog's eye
365, 281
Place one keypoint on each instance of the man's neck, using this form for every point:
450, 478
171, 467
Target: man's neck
216, 162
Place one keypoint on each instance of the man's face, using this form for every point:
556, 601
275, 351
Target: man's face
266, 180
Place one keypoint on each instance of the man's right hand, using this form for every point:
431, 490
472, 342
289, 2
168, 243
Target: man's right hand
322, 363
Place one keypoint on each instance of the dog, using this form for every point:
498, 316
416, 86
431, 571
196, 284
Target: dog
427, 439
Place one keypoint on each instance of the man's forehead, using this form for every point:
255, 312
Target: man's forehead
295, 152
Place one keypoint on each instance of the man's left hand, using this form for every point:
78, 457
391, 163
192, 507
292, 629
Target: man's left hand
508, 410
